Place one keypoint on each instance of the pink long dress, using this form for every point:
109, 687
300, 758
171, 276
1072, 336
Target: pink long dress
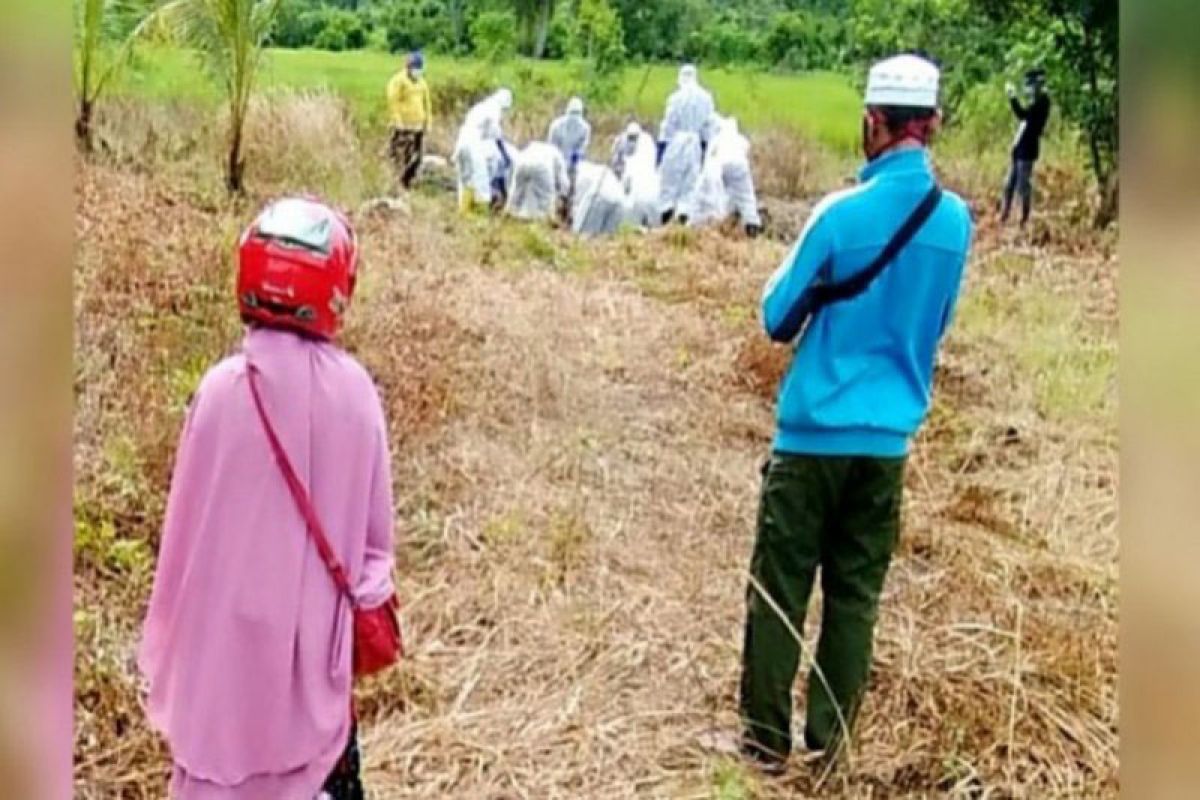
246, 645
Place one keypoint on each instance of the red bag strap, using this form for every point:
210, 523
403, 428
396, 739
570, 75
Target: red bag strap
299, 494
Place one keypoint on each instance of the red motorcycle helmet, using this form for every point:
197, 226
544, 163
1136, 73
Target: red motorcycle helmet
297, 264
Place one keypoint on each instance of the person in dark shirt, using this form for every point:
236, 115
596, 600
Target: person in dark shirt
1027, 146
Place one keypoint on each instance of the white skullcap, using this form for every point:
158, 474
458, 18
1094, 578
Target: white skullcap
575, 106
905, 81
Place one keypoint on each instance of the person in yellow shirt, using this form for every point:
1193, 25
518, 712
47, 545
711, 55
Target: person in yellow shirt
411, 106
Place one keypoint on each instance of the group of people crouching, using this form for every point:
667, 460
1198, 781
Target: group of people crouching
696, 173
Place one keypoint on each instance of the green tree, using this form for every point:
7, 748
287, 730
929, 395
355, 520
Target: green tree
418, 25
599, 39
1078, 42
340, 30
297, 23
726, 41
493, 35
801, 40
229, 36
97, 24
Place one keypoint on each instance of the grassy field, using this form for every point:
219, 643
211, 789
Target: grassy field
576, 431
821, 106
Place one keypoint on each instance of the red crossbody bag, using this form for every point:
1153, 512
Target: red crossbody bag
378, 643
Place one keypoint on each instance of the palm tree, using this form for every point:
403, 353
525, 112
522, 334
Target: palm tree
95, 22
229, 36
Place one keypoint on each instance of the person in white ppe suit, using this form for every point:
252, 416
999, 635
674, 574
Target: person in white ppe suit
480, 154
635, 152
599, 204
623, 146
539, 182
571, 134
682, 138
726, 185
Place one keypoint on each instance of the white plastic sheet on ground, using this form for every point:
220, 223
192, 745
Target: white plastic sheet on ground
539, 178
599, 205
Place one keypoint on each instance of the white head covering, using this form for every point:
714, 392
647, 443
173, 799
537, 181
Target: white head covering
633, 129
907, 81
504, 98
688, 75
575, 106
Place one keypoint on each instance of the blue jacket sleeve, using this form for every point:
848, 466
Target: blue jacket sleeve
952, 301
783, 301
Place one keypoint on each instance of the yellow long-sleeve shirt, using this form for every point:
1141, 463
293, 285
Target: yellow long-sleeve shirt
410, 102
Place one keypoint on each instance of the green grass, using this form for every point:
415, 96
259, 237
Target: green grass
821, 106
1072, 362
731, 782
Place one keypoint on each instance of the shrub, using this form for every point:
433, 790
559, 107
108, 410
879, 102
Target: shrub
296, 25
800, 41
494, 36
340, 30
725, 42
417, 25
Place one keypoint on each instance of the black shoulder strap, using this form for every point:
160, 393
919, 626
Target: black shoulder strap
822, 295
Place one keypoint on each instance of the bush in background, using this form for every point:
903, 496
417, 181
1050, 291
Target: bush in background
494, 36
421, 25
341, 30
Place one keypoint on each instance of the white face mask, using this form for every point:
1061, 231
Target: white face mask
417, 72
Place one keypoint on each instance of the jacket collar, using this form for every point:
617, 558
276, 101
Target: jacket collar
914, 160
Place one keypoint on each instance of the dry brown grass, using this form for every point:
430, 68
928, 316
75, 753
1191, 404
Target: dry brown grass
577, 430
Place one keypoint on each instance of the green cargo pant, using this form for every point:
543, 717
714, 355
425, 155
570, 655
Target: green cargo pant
841, 514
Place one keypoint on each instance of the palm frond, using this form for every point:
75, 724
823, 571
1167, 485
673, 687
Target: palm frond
99, 25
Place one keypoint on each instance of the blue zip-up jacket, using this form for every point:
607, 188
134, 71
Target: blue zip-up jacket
860, 379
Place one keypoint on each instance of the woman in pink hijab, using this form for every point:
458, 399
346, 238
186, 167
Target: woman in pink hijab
247, 641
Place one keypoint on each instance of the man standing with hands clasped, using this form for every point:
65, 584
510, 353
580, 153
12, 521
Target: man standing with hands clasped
865, 297
412, 115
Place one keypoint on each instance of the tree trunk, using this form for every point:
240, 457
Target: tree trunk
545, 11
1110, 201
237, 165
83, 125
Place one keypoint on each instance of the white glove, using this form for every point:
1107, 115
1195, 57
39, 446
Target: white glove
1010, 90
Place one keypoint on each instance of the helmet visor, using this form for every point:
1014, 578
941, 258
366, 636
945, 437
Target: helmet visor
296, 223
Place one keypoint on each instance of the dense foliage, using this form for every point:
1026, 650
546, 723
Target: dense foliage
980, 44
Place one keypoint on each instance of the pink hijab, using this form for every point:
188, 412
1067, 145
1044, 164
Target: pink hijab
246, 643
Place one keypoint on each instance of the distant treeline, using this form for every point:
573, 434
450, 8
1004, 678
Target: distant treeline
977, 42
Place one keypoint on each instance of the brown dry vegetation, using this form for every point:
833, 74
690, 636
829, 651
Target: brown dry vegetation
577, 430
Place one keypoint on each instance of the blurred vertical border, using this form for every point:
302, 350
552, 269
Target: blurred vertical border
36, 245
1160, 399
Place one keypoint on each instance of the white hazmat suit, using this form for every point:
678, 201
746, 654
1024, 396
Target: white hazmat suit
685, 127
599, 204
639, 177
539, 179
571, 133
726, 185
478, 155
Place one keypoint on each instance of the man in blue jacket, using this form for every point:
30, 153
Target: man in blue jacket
857, 390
